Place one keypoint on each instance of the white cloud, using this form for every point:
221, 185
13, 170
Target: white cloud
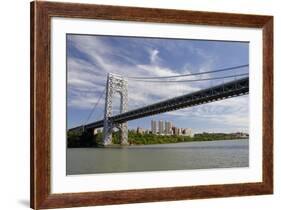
83, 76
228, 112
87, 79
154, 56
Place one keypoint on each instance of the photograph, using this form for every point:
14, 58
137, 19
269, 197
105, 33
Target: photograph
142, 104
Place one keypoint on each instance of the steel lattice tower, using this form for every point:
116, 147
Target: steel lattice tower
115, 84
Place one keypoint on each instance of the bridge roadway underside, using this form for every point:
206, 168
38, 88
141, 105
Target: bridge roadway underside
216, 93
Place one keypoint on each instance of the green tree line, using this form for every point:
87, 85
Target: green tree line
87, 139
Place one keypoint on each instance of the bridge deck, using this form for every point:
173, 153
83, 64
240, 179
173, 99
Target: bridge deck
216, 93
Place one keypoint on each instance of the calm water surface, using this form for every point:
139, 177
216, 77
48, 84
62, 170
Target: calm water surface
178, 156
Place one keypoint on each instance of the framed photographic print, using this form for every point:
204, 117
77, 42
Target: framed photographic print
140, 105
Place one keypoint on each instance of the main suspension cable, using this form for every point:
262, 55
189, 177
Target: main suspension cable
192, 80
193, 74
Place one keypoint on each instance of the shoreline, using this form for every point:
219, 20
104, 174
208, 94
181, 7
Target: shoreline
125, 146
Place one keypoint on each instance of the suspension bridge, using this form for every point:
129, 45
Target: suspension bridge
118, 84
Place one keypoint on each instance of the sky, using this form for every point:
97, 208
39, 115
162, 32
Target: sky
90, 58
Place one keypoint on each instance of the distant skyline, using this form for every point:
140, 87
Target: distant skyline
90, 58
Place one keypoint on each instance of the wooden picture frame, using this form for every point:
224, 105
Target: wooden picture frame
41, 14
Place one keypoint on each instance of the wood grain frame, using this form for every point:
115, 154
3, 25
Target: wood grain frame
41, 14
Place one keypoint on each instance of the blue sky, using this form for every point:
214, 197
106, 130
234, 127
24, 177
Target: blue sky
90, 58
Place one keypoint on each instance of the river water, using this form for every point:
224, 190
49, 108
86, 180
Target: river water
177, 156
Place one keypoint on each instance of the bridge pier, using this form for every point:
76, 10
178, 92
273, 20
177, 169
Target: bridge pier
124, 134
107, 135
94, 131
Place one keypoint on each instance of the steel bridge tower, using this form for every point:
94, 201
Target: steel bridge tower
115, 84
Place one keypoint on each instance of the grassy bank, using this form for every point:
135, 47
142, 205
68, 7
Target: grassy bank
135, 138
76, 139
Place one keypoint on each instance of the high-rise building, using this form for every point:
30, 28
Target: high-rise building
161, 127
153, 126
180, 131
177, 131
173, 130
168, 127
187, 132
140, 130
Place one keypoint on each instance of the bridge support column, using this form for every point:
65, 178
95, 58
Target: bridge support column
124, 134
94, 131
107, 135
115, 84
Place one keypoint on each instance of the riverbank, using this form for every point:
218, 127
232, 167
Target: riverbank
86, 140
143, 139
